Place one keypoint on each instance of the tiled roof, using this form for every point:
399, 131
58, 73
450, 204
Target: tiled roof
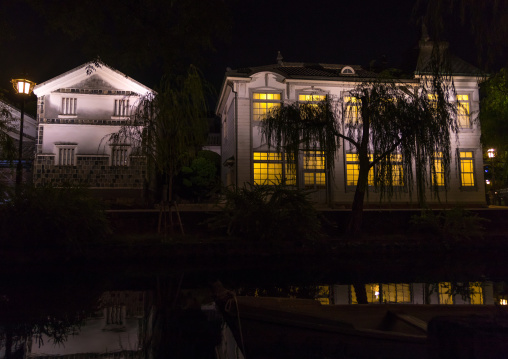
305, 71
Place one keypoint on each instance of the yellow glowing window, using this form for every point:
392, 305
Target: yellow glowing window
372, 293
353, 170
466, 168
314, 169
437, 171
263, 102
476, 293
396, 293
268, 169
503, 301
463, 114
396, 170
311, 97
352, 109
445, 293
323, 294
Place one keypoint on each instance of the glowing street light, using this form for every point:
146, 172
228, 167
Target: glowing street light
23, 87
491, 153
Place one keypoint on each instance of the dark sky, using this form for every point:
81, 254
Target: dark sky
348, 32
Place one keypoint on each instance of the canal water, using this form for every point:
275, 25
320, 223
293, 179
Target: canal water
132, 315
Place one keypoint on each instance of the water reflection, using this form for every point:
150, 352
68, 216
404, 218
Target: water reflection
171, 320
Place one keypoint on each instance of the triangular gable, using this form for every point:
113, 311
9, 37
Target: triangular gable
91, 77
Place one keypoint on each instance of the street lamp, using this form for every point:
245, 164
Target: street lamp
23, 87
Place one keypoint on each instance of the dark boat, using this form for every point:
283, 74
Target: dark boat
267, 327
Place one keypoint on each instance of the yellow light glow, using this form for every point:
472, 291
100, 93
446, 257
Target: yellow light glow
503, 301
491, 152
23, 86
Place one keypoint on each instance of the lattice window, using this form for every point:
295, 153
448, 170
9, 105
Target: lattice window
466, 168
66, 155
69, 105
262, 103
122, 108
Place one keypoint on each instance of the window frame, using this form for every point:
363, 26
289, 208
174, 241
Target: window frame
458, 106
438, 157
464, 187
68, 107
320, 168
279, 159
68, 160
119, 152
356, 161
257, 118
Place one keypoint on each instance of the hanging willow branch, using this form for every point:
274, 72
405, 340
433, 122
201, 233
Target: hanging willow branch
391, 127
170, 126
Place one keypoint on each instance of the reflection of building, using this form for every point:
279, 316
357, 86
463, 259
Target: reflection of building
115, 328
418, 293
10, 119
249, 93
77, 111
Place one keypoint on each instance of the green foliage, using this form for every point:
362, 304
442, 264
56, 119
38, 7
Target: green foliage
449, 226
200, 180
49, 217
494, 113
269, 213
170, 126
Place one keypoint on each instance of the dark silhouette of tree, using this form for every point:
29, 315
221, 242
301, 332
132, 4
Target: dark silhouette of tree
395, 129
169, 127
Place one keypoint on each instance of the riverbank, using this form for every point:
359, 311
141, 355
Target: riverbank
388, 246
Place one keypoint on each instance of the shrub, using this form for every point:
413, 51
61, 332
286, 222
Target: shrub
269, 213
449, 226
48, 217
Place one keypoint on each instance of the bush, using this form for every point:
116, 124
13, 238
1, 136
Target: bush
51, 217
449, 226
269, 213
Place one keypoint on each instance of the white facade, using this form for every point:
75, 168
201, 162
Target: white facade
77, 111
243, 148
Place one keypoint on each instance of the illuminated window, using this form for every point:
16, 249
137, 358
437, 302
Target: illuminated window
353, 170
445, 293
372, 291
395, 171
69, 106
396, 293
314, 169
119, 155
352, 110
311, 98
385, 293
466, 169
463, 114
271, 169
503, 301
323, 294
475, 293
66, 155
437, 170
262, 103
122, 108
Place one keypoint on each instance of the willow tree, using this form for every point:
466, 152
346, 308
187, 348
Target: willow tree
395, 130
168, 127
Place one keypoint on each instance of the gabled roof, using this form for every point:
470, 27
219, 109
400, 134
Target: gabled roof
86, 71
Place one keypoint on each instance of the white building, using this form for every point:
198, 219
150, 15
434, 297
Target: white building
77, 111
248, 93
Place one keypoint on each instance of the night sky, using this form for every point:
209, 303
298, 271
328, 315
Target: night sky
347, 32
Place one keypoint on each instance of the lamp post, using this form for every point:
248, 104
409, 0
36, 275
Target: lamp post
491, 153
23, 87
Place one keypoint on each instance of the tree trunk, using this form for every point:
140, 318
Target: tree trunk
355, 222
361, 293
